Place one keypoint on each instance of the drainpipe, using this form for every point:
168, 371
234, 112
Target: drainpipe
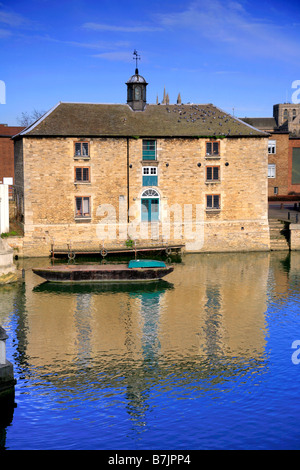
128, 180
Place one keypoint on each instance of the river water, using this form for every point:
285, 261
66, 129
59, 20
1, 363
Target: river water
203, 360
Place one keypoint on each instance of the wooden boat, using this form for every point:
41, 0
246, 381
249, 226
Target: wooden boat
136, 270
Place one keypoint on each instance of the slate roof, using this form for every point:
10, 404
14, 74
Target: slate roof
268, 123
181, 120
9, 131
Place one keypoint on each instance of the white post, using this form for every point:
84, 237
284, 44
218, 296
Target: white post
4, 208
3, 338
2, 352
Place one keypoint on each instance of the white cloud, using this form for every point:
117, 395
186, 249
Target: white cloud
122, 29
10, 18
104, 45
4, 33
120, 56
229, 23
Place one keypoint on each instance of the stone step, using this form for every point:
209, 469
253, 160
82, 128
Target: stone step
276, 222
275, 230
279, 243
279, 248
277, 226
278, 235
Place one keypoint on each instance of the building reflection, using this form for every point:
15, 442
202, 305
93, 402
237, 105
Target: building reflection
198, 328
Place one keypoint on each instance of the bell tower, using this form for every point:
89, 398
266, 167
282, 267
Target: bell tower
136, 88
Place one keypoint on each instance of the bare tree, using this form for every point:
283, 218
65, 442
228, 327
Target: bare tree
29, 118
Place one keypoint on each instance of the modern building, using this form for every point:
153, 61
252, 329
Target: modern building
7, 153
100, 174
283, 149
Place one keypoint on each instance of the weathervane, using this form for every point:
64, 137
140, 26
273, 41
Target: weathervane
136, 58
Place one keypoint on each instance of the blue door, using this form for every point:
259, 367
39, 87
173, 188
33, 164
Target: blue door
150, 210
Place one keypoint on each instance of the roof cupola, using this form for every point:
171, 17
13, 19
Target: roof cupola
136, 88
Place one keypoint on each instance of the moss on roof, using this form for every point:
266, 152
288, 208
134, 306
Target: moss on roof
184, 120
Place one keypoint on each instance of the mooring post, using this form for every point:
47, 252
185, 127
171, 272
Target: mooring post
7, 380
3, 338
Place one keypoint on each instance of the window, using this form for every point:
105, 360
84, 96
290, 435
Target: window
296, 166
212, 173
275, 190
149, 149
82, 174
149, 176
212, 201
81, 149
271, 170
137, 93
150, 193
272, 146
82, 207
285, 114
212, 148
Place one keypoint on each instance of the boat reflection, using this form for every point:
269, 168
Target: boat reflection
98, 288
7, 406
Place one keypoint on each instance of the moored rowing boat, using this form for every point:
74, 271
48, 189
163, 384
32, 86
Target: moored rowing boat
144, 270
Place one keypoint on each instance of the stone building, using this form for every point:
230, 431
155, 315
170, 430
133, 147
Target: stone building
287, 117
100, 174
7, 153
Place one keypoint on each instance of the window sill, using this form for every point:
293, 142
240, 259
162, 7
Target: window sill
83, 219
213, 182
212, 210
82, 157
82, 182
213, 157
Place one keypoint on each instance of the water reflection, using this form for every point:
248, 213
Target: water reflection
202, 331
7, 406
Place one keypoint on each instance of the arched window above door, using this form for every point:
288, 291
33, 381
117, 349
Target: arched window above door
150, 192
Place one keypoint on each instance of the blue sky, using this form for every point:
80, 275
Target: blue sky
234, 54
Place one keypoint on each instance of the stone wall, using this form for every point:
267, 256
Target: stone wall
295, 237
115, 166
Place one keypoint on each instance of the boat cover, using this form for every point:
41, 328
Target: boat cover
146, 263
